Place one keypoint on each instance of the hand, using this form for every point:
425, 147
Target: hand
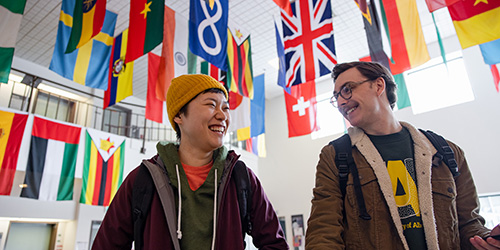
489, 243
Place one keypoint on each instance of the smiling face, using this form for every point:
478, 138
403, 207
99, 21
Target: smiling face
205, 122
364, 107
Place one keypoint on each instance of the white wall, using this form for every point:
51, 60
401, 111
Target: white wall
288, 172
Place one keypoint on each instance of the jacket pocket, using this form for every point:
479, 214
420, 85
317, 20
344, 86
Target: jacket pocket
444, 195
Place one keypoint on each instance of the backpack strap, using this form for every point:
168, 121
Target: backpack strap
244, 192
444, 152
142, 195
345, 163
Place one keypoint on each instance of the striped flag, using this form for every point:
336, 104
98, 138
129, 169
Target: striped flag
11, 14
257, 145
257, 112
52, 159
146, 27
210, 69
239, 55
11, 134
476, 21
407, 41
156, 110
102, 167
120, 73
88, 17
87, 65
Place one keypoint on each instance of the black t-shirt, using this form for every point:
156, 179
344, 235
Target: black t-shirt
397, 152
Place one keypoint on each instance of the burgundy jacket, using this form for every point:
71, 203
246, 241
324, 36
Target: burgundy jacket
116, 231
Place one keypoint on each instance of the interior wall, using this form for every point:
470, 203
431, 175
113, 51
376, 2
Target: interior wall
288, 172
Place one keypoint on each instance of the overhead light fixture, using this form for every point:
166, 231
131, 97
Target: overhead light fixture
24, 185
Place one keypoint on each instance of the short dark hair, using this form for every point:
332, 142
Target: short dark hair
183, 110
371, 70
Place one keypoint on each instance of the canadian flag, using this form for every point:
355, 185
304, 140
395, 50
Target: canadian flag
301, 109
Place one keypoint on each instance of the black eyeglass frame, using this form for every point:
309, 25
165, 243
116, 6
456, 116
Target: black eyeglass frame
348, 86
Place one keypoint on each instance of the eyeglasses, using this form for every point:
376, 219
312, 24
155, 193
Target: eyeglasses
345, 92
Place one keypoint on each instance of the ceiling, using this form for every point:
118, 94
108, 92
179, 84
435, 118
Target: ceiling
37, 34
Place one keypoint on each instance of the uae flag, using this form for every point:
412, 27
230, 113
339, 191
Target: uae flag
11, 134
102, 167
51, 162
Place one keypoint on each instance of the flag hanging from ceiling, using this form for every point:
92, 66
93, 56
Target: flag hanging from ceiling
407, 41
280, 51
208, 31
87, 65
102, 167
11, 134
434, 5
210, 69
145, 26
308, 41
51, 161
491, 52
239, 109
120, 73
88, 18
476, 21
239, 55
156, 110
496, 76
373, 32
257, 145
11, 14
301, 111
285, 6
257, 111
174, 53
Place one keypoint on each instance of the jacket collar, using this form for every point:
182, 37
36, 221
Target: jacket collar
423, 152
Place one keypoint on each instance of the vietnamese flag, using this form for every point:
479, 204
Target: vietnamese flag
11, 134
145, 27
476, 21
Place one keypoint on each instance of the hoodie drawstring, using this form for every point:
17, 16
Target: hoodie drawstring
215, 211
179, 232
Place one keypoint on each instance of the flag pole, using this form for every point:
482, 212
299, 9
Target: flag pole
143, 149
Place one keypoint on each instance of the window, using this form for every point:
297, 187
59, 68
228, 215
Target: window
435, 85
490, 209
54, 106
329, 119
116, 120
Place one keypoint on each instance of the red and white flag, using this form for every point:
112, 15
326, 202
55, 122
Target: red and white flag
301, 111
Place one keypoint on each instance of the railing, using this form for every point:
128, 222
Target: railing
118, 119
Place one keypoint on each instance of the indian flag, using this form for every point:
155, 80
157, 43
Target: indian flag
11, 134
52, 159
11, 14
102, 167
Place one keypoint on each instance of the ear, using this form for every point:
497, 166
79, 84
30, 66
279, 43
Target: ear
380, 86
178, 119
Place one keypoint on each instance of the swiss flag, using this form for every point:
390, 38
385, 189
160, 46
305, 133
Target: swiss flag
301, 111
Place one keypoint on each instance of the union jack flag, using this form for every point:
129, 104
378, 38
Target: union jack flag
308, 41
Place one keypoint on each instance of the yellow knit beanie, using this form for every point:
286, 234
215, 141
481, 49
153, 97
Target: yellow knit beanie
184, 88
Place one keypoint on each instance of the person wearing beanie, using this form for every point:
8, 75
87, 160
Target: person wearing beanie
194, 197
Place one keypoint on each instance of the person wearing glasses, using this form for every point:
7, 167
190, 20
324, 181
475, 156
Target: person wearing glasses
409, 203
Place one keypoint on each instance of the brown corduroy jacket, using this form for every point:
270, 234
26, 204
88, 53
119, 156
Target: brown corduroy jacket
449, 206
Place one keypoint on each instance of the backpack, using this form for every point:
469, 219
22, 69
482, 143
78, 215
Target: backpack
345, 164
142, 195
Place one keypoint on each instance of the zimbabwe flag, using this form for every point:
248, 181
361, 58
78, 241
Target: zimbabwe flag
239, 56
102, 167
